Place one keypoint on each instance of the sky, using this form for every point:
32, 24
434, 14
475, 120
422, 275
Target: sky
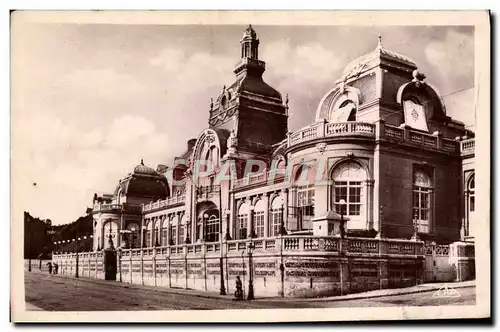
89, 101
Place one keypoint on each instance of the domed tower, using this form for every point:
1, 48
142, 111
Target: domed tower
385, 85
122, 211
143, 185
249, 108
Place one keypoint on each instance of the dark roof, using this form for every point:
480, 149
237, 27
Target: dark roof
258, 86
144, 182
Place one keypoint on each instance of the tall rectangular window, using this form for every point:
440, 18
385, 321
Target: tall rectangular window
212, 229
241, 226
181, 234
276, 220
422, 189
305, 204
350, 192
173, 235
164, 236
259, 223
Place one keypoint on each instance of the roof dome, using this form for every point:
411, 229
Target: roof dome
375, 57
142, 169
144, 182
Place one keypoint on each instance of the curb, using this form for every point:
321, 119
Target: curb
364, 297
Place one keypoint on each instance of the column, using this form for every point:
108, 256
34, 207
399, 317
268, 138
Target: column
179, 240
285, 193
266, 215
369, 204
232, 217
160, 230
432, 211
465, 219
250, 220
151, 225
167, 221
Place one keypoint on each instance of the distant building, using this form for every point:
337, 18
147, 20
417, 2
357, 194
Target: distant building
381, 154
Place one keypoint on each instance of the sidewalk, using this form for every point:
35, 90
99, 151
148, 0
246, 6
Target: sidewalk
387, 292
365, 295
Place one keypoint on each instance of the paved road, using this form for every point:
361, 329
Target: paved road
57, 293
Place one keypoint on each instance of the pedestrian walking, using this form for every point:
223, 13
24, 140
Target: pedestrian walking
56, 267
49, 266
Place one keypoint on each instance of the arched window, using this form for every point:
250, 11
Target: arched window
472, 197
345, 112
148, 234
181, 229
110, 228
242, 221
304, 178
276, 215
173, 231
164, 232
258, 218
348, 186
133, 235
422, 189
212, 157
212, 227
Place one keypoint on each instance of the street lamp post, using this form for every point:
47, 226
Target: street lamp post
127, 237
132, 234
227, 213
221, 259
143, 242
250, 270
342, 228
77, 249
203, 230
415, 226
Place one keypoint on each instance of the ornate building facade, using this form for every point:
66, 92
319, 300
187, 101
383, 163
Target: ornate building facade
376, 193
382, 153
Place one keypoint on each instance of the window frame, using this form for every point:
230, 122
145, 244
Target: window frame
422, 206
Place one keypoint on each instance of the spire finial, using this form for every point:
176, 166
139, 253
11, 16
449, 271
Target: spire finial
211, 103
142, 162
379, 40
286, 100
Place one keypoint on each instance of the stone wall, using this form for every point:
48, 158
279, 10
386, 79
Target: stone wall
291, 266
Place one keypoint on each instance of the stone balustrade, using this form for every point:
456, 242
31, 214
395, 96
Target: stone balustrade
378, 130
467, 147
321, 130
165, 203
407, 136
294, 266
100, 207
265, 177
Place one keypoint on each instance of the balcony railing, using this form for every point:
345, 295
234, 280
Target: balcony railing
379, 130
415, 138
99, 207
165, 203
269, 177
319, 130
468, 146
292, 243
206, 190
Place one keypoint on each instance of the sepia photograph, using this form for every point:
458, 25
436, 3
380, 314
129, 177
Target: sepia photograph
319, 164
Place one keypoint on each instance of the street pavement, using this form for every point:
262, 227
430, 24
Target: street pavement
62, 293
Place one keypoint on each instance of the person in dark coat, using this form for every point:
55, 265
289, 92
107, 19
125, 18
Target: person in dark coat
239, 289
56, 267
49, 266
